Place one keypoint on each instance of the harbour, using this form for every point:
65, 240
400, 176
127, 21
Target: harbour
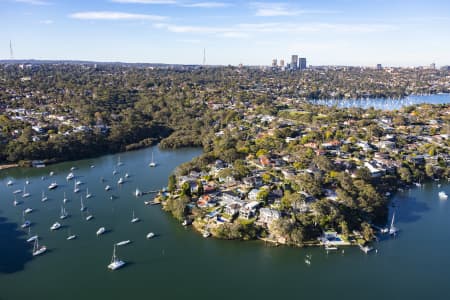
176, 255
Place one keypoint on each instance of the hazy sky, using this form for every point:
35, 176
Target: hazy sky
338, 32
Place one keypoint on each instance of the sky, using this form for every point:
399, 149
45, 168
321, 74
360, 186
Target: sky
326, 32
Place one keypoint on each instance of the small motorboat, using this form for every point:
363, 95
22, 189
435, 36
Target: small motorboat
101, 231
55, 226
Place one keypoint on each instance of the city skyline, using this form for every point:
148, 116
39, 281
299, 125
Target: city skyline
346, 32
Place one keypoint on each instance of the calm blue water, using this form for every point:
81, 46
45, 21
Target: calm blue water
180, 264
385, 104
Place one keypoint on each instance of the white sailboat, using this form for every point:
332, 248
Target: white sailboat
120, 181
15, 202
64, 213
28, 210
52, 186
126, 175
88, 195
443, 195
44, 197
101, 230
75, 188
55, 226
31, 238
119, 163
83, 208
150, 235
116, 263
70, 176
9, 183
134, 219
17, 191
137, 193
38, 250
152, 163
107, 188
65, 198
71, 236
123, 243
392, 229
89, 216
25, 193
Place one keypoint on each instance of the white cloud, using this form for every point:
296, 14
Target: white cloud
33, 2
46, 22
247, 29
112, 15
273, 9
207, 4
146, 1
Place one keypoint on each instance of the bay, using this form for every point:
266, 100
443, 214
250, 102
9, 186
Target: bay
385, 104
180, 263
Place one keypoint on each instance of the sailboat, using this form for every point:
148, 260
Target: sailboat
116, 263
31, 238
83, 208
9, 183
137, 193
44, 197
63, 214
75, 188
52, 186
119, 163
25, 223
101, 231
65, 198
152, 163
392, 229
15, 201
55, 226
120, 181
89, 216
71, 236
134, 219
88, 195
25, 194
38, 250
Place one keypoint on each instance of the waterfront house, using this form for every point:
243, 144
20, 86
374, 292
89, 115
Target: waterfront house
268, 215
248, 211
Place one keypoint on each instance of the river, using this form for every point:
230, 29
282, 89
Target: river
181, 264
386, 104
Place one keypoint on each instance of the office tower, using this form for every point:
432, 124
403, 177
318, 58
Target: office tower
379, 67
274, 62
302, 63
294, 62
281, 62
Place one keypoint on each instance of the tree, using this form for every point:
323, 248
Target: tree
186, 189
367, 231
172, 184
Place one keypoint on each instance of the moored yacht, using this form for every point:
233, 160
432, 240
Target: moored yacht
38, 250
123, 243
134, 219
55, 226
150, 235
120, 181
116, 263
9, 183
70, 176
442, 195
44, 197
101, 230
107, 188
52, 186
